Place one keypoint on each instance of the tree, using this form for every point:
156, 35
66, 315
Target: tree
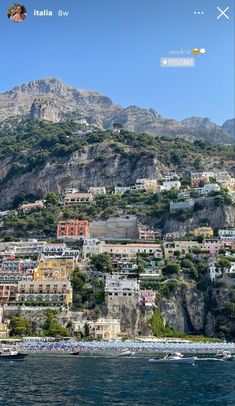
86, 330
52, 199
224, 264
102, 262
51, 326
19, 326
189, 267
171, 268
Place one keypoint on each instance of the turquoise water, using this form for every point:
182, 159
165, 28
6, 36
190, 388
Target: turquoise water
102, 381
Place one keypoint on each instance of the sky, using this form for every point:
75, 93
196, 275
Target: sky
115, 46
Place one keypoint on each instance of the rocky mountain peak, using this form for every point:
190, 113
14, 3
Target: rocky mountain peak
40, 87
199, 122
44, 109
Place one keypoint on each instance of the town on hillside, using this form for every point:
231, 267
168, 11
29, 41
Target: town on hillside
90, 257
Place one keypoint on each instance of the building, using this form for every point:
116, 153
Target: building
115, 228
132, 250
204, 231
91, 246
149, 185
148, 234
23, 248
212, 245
175, 234
72, 230
147, 297
115, 287
209, 188
227, 234
101, 329
123, 267
14, 270
223, 178
54, 248
182, 247
72, 199
30, 207
214, 271
185, 195
169, 185
54, 268
121, 189
150, 274
185, 205
199, 179
53, 292
171, 176
8, 293
70, 190
97, 190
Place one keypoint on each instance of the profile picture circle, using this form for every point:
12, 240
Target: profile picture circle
17, 13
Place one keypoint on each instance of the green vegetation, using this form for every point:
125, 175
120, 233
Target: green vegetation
86, 293
51, 327
19, 326
171, 268
102, 262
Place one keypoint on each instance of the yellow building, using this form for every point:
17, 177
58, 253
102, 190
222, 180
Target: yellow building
205, 231
52, 292
54, 268
103, 329
183, 247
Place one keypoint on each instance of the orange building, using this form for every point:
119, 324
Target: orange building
72, 229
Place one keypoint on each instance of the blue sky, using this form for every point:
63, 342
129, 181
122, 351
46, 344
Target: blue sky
114, 47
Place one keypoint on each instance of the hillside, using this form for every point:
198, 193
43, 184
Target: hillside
40, 157
52, 100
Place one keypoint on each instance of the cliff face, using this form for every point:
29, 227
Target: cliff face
190, 310
44, 109
184, 310
214, 216
97, 166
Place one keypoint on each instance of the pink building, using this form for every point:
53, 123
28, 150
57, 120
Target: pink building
213, 246
147, 297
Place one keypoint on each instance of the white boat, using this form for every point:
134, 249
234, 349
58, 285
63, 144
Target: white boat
10, 353
126, 353
174, 358
226, 355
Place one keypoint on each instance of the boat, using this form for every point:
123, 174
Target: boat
13, 354
225, 355
75, 353
174, 358
126, 353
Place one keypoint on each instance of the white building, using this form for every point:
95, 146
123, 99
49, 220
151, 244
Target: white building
133, 250
227, 234
169, 185
99, 190
214, 271
121, 287
121, 189
92, 246
54, 248
208, 188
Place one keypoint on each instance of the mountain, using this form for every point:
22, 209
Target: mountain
52, 100
229, 127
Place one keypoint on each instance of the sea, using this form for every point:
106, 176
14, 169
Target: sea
66, 380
